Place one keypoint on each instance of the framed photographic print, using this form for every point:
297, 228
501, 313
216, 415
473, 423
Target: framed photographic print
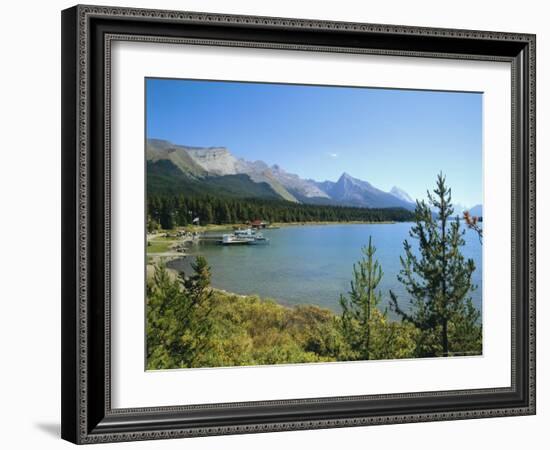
279, 224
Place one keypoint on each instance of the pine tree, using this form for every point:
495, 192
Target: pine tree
165, 303
227, 217
178, 323
439, 279
152, 224
359, 309
208, 214
167, 215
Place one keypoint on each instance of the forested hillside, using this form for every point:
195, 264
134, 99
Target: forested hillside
170, 211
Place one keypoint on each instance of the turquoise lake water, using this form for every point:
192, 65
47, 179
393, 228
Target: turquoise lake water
313, 264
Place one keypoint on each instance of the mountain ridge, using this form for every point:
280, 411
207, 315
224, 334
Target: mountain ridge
204, 163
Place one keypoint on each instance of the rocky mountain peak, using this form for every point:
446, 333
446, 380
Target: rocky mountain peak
215, 160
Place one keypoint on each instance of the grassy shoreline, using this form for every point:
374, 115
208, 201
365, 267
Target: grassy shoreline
232, 226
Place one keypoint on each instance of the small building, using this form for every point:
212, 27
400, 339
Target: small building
257, 224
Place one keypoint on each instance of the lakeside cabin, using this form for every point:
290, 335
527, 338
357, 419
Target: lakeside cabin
258, 224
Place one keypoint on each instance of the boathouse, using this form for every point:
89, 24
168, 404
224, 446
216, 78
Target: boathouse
257, 224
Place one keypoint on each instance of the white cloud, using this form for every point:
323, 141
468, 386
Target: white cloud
333, 155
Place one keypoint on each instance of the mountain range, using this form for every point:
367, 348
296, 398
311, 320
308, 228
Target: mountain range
178, 169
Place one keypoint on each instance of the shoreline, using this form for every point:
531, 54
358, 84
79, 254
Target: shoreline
150, 268
352, 222
274, 225
174, 246
171, 247
227, 295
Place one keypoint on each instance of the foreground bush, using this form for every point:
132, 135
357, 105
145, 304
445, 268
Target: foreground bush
189, 324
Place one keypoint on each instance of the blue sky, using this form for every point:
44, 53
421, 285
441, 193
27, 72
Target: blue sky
389, 137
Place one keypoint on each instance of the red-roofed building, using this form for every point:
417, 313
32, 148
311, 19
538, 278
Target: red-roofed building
258, 224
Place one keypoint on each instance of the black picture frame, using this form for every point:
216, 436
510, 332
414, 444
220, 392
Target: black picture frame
87, 416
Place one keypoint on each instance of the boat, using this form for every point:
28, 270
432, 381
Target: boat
259, 239
231, 239
246, 233
244, 237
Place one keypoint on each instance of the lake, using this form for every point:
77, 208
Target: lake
312, 264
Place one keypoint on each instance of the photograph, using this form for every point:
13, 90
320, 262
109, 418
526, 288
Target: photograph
292, 223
